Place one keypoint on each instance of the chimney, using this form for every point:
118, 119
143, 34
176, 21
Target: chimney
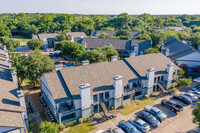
118, 90
114, 58
58, 67
72, 39
132, 54
22, 103
14, 76
170, 70
9, 63
82, 36
136, 50
85, 62
4, 47
85, 99
167, 52
150, 80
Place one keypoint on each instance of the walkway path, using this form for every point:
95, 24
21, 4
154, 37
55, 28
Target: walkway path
35, 115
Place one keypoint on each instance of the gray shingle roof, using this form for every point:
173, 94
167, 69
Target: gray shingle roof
112, 33
143, 62
177, 48
93, 43
100, 75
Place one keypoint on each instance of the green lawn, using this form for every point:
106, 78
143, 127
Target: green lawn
84, 128
20, 38
135, 105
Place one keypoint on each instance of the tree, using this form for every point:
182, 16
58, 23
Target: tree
63, 36
181, 72
196, 114
93, 56
10, 44
72, 49
38, 64
20, 64
104, 35
4, 30
185, 82
35, 44
108, 29
49, 127
151, 50
109, 51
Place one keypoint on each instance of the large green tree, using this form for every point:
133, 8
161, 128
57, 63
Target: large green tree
109, 51
63, 36
49, 127
185, 82
20, 64
151, 50
38, 64
10, 44
93, 56
72, 49
35, 44
4, 30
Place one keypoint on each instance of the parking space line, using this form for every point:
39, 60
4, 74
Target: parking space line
166, 109
172, 120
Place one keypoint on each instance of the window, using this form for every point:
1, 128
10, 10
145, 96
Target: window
108, 44
126, 97
95, 98
138, 93
162, 78
107, 95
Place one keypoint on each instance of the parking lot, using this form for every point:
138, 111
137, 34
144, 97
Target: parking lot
175, 123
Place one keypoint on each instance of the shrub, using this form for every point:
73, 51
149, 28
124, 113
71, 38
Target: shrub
185, 82
29, 119
174, 90
92, 115
89, 119
84, 119
174, 85
111, 108
71, 123
80, 120
146, 96
61, 127
122, 106
30, 126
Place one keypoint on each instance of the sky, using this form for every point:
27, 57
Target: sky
132, 7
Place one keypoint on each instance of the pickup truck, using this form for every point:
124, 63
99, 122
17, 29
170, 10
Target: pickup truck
174, 106
156, 112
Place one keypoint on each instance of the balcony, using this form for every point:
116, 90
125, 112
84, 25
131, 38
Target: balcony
65, 108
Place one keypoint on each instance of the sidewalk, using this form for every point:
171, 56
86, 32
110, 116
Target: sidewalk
35, 115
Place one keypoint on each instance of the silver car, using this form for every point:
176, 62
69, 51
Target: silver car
156, 112
115, 129
140, 124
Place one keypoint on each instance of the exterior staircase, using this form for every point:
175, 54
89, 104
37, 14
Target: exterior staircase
163, 90
105, 110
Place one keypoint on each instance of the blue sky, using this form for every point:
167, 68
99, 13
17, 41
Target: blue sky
101, 6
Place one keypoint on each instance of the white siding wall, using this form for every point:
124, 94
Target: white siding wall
47, 90
77, 103
191, 60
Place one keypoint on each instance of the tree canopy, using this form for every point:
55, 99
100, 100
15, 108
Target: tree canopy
10, 44
185, 82
151, 50
72, 49
35, 44
49, 127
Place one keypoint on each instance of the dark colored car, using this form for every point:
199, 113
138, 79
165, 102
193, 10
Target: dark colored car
183, 99
128, 127
174, 106
149, 118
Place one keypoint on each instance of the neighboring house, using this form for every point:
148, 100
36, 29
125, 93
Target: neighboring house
124, 47
134, 34
180, 53
13, 115
50, 39
174, 28
77, 92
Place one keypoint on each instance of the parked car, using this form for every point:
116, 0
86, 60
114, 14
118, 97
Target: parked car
149, 118
174, 106
191, 96
196, 93
115, 129
183, 99
128, 127
140, 124
156, 112
100, 131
